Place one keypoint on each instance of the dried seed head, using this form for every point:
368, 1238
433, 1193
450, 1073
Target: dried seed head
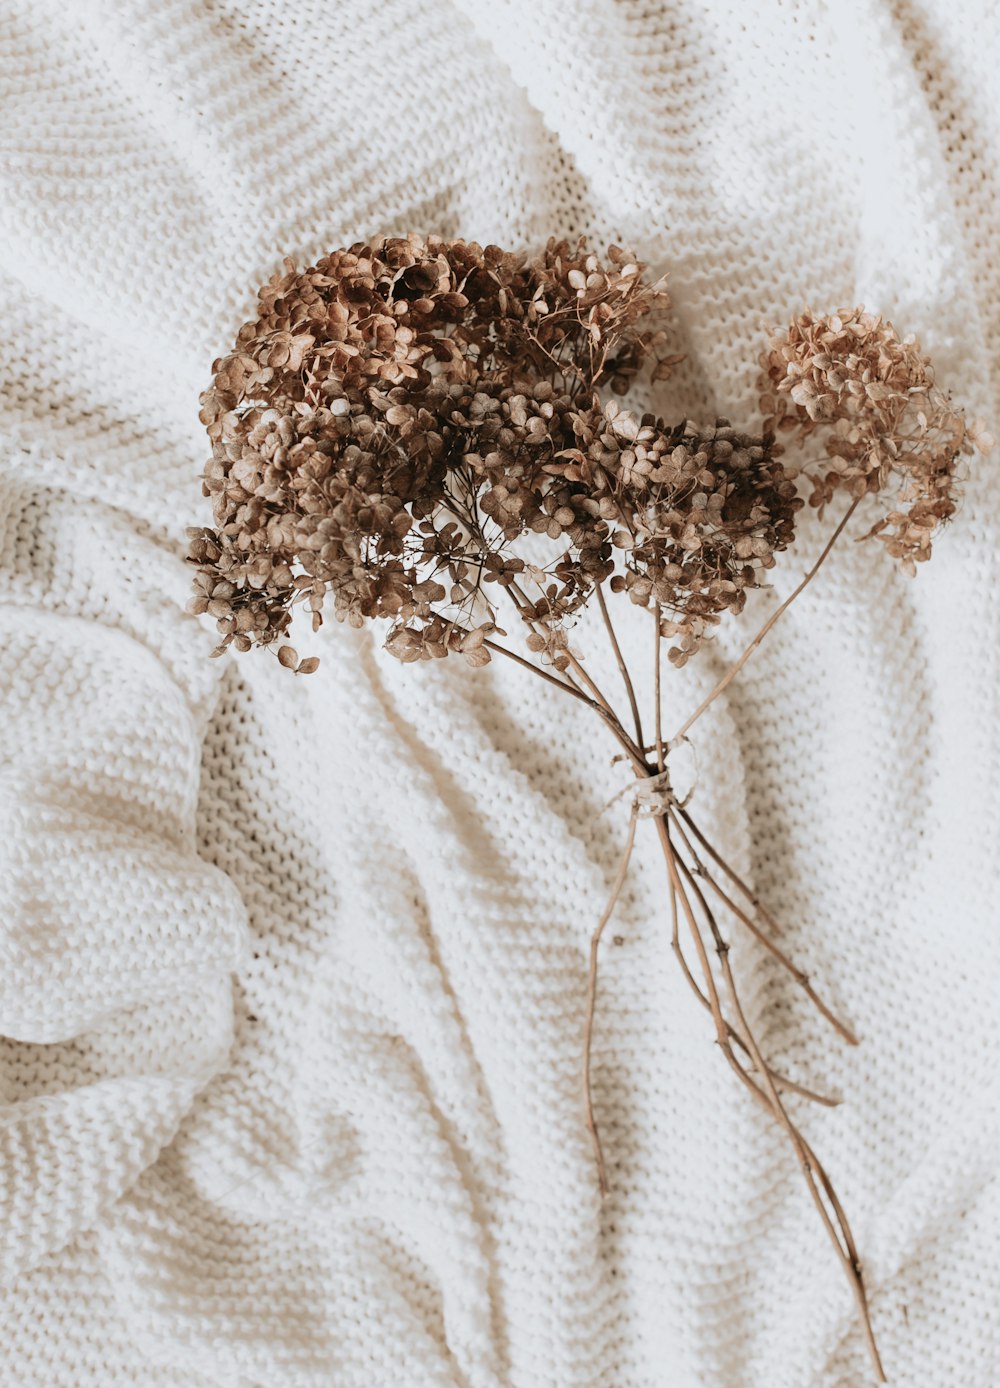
870, 395
394, 422
702, 511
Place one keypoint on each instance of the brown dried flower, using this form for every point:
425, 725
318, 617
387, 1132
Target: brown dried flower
871, 393
700, 510
392, 423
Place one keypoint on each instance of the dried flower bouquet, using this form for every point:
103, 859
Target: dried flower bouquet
420, 428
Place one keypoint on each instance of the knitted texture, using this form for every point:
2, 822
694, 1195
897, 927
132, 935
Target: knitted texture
294, 970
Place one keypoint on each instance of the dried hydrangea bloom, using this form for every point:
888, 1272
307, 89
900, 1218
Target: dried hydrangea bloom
389, 426
850, 377
700, 512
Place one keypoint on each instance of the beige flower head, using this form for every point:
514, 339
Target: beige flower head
870, 395
703, 511
390, 426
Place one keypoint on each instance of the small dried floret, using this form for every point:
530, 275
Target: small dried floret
871, 396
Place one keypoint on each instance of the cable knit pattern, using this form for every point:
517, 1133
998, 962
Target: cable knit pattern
293, 970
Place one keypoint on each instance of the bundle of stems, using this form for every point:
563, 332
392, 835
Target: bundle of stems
699, 880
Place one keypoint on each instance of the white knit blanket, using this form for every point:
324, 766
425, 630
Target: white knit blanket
292, 971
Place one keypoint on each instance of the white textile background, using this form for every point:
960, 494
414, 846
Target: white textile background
292, 970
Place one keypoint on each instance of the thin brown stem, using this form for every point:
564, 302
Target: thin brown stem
521, 601
737, 665
588, 1030
623, 668
724, 1030
605, 713
712, 992
801, 978
782, 1081
837, 1228
540, 671
657, 699
737, 881
582, 674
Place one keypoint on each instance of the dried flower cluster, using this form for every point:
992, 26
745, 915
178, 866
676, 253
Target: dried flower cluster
389, 425
705, 509
400, 415
850, 377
